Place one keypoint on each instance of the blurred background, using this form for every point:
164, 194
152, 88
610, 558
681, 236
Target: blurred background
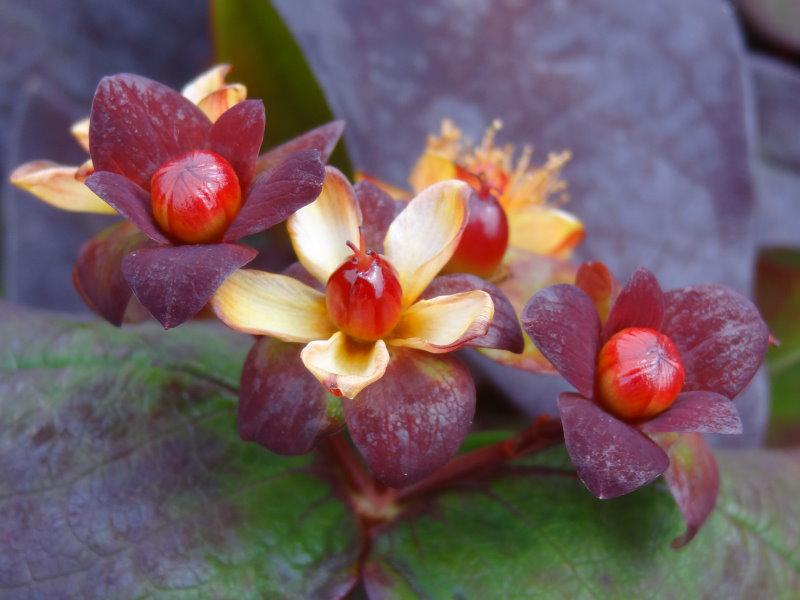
683, 118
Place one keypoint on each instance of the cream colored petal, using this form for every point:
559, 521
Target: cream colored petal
320, 230
80, 131
344, 366
424, 236
275, 305
206, 83
444, 323
431, 168
58, 186
544, 230
219, 101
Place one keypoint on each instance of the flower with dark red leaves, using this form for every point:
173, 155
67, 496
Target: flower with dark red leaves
364, 315
660, 363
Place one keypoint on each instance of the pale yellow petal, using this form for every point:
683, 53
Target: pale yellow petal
206, 83
219, 101
431, 168
275, 305
320, 230
345, 366
80, 131
544, 230
444, 323
58, 186
424, 236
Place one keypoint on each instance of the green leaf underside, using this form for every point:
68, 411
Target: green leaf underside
122, 475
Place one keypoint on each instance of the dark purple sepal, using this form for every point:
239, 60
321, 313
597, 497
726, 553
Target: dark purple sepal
324, 139
274, 196
378, 210
504, 332
299, 272
720, 335
702, 412
639, 304
175, 282
563, 323
137, 124
237, 137
282, 406
131, 201
97, 273
412, 420
692, 478
611, 457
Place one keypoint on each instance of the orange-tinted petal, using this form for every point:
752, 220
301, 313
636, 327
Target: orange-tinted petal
206, 83
218, 101
544, 230
431, 168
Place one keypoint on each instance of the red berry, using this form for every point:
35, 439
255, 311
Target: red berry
195, 197
485, 238
364, 296
639, 374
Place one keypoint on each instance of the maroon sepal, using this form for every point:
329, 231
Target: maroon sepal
297, 181
504, 332
563, 323
175, 282
299, 272
281, 404
137, 124
639, 304
237, 137
703, 412
378, 210
412, 421
611, 457
324, 139
97, 273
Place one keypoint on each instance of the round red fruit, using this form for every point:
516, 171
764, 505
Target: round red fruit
639, 374
485, 238
195, 197
364, 296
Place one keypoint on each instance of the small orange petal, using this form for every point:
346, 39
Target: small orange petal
206, 83
218, 101
431, 168
544, 230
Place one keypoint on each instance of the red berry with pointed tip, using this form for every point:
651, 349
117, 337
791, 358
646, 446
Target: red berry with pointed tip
485, 238
195, 197
364, 296
639, 374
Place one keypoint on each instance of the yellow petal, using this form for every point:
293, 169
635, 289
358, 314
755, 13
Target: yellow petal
431, 168
217, 102
86, 169
424, 236
276, 305
80, 131
395, 192
206, 83
345, 366
320, 230
444, 323
544, 230
57, 185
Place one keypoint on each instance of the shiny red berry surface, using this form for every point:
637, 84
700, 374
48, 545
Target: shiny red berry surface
485, 238
639, 374
364, 296
195, 197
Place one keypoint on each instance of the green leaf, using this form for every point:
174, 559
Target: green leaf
251, 36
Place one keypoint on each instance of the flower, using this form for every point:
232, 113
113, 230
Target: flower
148, 144
517, 236
376, 336
694, 349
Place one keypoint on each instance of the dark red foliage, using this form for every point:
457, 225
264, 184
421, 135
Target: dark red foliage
378, 210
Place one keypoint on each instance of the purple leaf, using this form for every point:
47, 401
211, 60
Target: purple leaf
611, 457
282, 406
504, 332
237, 136
175, 282
378, 210
639, 304
703, 412
138, 124
412, 421
274, 196
98, 270
563, 323
129, 200
720, 335
324, 139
